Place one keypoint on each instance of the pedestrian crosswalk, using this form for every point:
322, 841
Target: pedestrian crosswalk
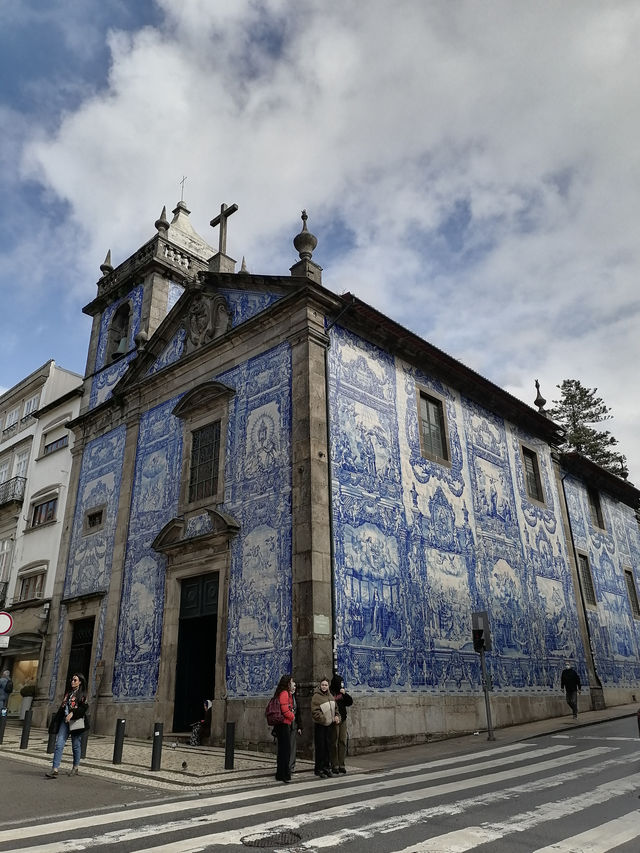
554, 796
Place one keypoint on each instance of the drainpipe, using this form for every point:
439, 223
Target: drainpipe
582, 599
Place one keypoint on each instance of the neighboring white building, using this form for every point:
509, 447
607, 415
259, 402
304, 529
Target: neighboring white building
35, 461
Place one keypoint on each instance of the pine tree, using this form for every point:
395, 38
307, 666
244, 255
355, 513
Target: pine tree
576, 410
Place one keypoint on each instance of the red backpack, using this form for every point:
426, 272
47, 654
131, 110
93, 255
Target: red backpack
274, 713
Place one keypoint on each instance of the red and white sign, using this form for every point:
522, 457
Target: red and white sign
6, 622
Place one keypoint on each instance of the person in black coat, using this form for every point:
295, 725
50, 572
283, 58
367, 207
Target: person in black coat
570, 683
339, 730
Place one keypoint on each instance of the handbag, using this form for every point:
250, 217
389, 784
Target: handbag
76, 725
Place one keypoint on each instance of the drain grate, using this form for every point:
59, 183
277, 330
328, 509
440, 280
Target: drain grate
284, 838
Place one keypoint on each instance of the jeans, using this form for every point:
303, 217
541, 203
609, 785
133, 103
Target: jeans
61, 739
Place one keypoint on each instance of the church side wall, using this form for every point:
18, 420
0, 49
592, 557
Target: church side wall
420, 545
614, 631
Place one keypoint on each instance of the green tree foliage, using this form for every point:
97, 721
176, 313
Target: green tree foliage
577, 410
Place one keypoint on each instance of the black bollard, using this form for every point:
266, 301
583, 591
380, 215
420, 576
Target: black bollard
3, 724
229, 741
26, 730
84, 740
156, 752
638, 715
118, 742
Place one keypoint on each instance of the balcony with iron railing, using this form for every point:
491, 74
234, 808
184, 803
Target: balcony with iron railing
17, 426
12, 490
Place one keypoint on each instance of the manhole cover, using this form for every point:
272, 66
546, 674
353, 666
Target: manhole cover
284, 838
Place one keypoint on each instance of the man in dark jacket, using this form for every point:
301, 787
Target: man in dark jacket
6, 688
570, 683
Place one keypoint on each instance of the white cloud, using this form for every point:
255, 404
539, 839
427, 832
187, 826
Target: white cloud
476, 166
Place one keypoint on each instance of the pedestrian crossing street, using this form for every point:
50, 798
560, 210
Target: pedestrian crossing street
559, 795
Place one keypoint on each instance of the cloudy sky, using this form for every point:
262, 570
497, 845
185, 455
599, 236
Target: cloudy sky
472, 169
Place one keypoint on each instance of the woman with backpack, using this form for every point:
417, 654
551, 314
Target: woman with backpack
282, 729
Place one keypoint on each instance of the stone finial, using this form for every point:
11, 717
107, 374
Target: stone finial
140, 340
540, 402
106, 267
305, 242
162, 224
243, 268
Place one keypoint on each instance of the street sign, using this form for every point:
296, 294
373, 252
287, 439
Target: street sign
6, 622
4, 641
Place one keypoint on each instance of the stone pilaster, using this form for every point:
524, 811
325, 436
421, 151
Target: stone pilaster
312, 569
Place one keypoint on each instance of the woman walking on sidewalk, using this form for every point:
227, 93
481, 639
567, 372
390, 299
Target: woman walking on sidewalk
70, 719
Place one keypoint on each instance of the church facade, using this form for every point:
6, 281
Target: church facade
271, 478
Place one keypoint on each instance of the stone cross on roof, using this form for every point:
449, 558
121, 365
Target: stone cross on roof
221, 220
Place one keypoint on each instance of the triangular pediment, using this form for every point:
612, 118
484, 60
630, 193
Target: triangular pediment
207, 311
200, 316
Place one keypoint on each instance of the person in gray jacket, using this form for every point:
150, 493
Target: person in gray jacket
324, 715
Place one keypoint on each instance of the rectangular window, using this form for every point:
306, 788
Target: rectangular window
633, 593
433, 434
31, 405
44, 512
58, 444
205, 459
31, 586
12, 417
4, 471
532, 474
94, 519
21, 462
595, 508
587, 580
6, 546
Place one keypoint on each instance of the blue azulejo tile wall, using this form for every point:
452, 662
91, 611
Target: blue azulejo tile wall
419, 545
610, 551
154, 502
258, 496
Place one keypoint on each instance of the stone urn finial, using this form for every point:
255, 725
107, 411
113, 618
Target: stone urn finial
305, 242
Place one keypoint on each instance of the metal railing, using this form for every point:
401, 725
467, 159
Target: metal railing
12, 490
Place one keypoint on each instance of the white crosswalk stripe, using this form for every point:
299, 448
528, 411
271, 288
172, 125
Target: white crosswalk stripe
389, 808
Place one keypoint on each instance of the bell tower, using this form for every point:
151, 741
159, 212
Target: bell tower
135, 296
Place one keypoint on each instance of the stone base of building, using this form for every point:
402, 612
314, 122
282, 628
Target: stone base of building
375, 722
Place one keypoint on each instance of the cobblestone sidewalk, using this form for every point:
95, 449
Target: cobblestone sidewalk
181, 767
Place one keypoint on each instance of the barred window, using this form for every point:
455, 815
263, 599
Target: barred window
587, 580
532, 474
433, 433
205, 460
633, 593
595, 509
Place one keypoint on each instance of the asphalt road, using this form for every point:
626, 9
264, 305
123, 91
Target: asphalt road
564, 793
